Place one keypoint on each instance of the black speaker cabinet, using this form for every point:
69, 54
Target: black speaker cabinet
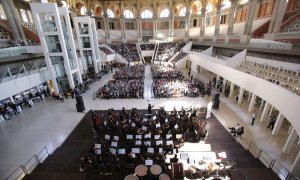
80, 107
79, 100
216, 104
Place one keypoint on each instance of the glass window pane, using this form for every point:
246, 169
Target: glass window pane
24, 15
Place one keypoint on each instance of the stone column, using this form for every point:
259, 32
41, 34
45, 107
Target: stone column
265, 112
154, 26
138, 30
202, 29
171, 25
279, 17
122, 23
249, 21
234, 4
241, 95
17, 20
218, 16
10, 19
105, 18
187, 25
252, 102
231, 89
274, 16
290, 141
278, 124
224, 85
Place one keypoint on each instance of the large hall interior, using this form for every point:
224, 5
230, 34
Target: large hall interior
153, 89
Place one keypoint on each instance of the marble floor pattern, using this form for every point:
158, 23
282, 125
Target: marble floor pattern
49, 123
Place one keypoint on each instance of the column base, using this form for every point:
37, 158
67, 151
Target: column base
226, 40
108, 41
124, 40
201, 39
214, 40
245, 39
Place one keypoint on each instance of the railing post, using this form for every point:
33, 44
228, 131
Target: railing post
249, 145
37, 159
46, 150
272, 163
24, 169
259, 153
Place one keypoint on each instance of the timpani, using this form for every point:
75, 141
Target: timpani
155, 169
141, 170
164, 177
131, 177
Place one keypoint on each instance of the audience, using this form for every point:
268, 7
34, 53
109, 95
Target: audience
147, 47
167, 50
105, 50
128, 51
179, 56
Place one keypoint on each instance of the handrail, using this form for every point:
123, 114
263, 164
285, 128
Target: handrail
274, 165
21, 170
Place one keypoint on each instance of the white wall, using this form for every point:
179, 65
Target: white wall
131, 34
236, 60
179, 32
194, 32
115, 34
163, 33
10, 88
100, 34
182, 63
223, 29
147, 53
209, 31
282, 99
238, 28
208, 51
34, 49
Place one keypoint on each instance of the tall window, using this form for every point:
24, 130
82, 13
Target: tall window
110, 14
128, 14
24, 15
2, 13
164, 13
226, 4
146, 14
30, 16
83, 10
182, 11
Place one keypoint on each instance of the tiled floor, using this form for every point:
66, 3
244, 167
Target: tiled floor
49, 123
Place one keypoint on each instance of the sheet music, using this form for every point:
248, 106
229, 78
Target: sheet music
113, 151
144, 128
114, 144
135, 150
148, 162
129, 136
97, 151
97, 146
116, 138
159, 142
138, 136
148, 135
178, 136
168, 136
169, 142
157, 125
121, 151
107, 137
148, 143
150, 150
160, 150
156, 136
138, 142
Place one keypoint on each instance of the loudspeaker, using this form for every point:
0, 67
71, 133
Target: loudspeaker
216, 96
80, 107
216, 104
79, 100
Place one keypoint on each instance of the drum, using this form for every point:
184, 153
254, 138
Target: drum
141, 170
155, 169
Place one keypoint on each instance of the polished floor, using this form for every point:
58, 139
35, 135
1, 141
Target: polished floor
49, 123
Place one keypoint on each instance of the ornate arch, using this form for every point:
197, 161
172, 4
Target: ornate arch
162, 7
146, 8
195, 6
131, 8
177, 7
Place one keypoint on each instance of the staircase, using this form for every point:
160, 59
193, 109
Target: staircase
155, 52
30, 31
292, 24
140, 53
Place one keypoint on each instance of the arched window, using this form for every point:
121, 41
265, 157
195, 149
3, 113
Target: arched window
146, 14
24, 15
82, 10
2, 13
110, 14
244, 1
209, 8
128, 14
182, 11
164, 13
226, 4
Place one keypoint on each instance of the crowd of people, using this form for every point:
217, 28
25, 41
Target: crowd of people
127, 51
179, 56
131, 72
128, 82
167, 50
147, 47
169, 82
117, 133
105, 50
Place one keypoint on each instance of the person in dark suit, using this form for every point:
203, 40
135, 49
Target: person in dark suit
174, 159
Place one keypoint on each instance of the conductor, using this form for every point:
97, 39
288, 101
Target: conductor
150, 110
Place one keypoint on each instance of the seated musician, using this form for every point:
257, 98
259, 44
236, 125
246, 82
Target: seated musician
174, 159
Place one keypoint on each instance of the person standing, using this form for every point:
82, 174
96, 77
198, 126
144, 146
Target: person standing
150, 109
61, 98
253, 118
272, 122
